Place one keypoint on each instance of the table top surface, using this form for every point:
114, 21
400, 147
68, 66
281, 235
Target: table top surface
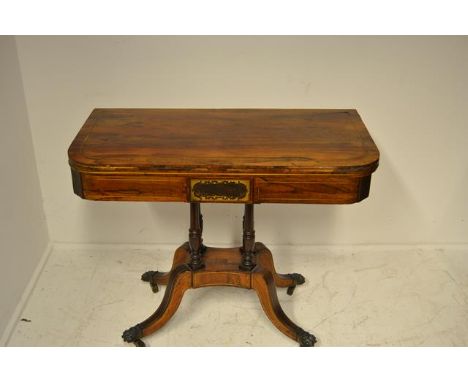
269, 141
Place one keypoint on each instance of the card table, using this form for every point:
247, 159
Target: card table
244, 156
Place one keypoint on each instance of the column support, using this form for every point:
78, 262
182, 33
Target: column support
195, 237
248, 239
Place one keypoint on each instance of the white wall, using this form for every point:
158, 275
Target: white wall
410, 91
23, 230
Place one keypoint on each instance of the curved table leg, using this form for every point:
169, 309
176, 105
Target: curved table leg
288, 280
264, 285
180, 279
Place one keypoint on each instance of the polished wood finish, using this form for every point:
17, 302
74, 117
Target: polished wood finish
245, 156
221, 269
283, 155
194, 266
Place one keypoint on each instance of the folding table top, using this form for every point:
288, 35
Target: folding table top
230, 155
309, 141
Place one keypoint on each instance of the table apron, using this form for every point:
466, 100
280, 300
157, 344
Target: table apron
309, 189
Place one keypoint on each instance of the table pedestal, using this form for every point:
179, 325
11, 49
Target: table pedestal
250, 266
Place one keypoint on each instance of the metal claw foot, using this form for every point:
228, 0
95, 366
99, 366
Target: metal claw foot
150, 277
298, 280
297, 277
133, 335
306, 339
290, 290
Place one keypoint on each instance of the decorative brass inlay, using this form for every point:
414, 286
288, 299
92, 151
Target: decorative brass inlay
227, 190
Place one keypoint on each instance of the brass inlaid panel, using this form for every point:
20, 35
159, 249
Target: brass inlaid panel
222, 190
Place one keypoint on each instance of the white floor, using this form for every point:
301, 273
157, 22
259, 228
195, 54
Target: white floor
353, 296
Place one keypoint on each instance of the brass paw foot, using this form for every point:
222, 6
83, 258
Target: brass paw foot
133, 335
298, 280
305, 339
150, 277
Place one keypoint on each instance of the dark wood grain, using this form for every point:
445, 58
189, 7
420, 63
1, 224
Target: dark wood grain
222, 269
320, 189
285, 155
128, 187
225, 140
223, 155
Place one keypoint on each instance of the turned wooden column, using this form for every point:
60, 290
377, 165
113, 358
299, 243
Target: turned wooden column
248, 239
195, 236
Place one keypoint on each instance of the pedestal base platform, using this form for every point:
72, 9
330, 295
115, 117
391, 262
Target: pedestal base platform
221, 268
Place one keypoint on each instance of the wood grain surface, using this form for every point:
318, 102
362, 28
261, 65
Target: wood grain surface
222, 269
285, 155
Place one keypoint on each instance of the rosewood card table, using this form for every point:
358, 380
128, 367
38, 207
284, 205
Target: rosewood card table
244, 156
